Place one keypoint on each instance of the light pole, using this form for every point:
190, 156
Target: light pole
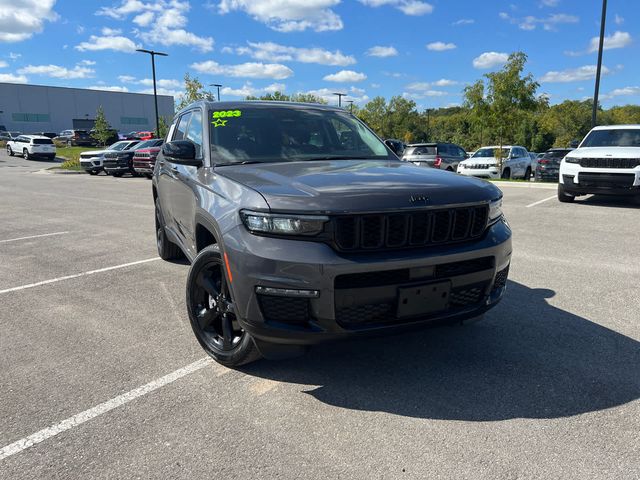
340, 95
155, 93
350, 102
217, 85
596, 93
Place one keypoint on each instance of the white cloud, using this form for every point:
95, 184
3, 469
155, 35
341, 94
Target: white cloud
616, 40
549, 3
586, 72
344, 76
274, 52
87, 63
288, 15
248, 90
56, 71
380, 51
244, 70
618, 19
11, 78
3, 64
165, 19
20, 20
109, 88
423, 86
463, 21
440, 46
424, 94
148, 82
530, 22
14, 56
375, 85
490, 60
623, 92
329, 96
421, 90
408, 7
117, 43
111, 32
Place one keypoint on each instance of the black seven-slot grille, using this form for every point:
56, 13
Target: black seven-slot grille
411, 229
609, 162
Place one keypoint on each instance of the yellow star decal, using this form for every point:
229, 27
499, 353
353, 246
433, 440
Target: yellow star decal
219, 123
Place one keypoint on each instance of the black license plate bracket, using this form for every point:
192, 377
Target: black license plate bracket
423, 299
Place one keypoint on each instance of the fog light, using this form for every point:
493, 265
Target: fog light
287, 292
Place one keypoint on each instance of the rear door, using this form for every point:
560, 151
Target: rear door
167, 174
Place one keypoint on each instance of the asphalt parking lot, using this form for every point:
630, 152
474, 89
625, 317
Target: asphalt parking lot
101, 376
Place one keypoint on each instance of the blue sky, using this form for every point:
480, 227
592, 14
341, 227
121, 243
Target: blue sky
427, 51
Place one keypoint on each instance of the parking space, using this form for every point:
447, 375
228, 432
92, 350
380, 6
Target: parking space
102, 377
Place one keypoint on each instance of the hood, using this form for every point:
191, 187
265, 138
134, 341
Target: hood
605, 152
480, 161
356, 185
148, 150
94, 153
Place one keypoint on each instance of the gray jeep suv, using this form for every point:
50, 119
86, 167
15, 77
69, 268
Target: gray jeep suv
301, 226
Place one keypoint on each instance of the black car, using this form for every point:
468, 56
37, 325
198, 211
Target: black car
296, 236
73, 138
548, 166
117, 163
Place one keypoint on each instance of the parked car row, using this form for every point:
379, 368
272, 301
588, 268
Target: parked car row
127, 156
84, 138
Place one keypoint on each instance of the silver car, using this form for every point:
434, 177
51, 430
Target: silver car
445, 156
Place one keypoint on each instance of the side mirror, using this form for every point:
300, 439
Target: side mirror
182, 152
393, 146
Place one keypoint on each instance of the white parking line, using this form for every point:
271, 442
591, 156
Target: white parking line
82, 417
540, 201
33, 236
83, 274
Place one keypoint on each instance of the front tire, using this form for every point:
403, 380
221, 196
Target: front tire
527, 174
25, 154
506, 174
9, 151
167, 250
563, 196
212, 312
92, 172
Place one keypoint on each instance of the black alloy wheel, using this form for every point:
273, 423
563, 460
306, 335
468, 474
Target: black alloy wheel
212, 312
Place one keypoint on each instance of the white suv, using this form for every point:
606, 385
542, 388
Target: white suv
606, 162
516, 163
30, 146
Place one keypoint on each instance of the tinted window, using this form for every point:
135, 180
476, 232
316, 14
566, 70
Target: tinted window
194, 131
461, 152
623, 137
42, 141
181, 130
266, 133
421, 150
556, 154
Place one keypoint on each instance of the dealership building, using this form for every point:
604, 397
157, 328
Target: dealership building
38, 108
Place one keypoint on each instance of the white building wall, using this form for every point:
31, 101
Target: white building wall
63, 105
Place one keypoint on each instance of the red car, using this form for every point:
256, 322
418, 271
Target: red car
144, 159
146, 135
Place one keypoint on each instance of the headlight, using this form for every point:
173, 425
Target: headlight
571, 160
283, 224
495, 210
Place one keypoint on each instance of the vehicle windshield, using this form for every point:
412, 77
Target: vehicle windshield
148, 143
265, 133
118, 146
490, 153
421, 150
623, 137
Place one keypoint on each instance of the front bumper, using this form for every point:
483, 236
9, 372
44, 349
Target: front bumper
578, 180
143, 167
359, 294
491, 173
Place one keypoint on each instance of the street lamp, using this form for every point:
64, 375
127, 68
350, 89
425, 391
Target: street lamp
350, 102
155, 93
340, 95
596, 93
218, 87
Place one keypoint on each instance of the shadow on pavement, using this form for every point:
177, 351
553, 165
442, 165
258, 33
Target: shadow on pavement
610, 201
527, 359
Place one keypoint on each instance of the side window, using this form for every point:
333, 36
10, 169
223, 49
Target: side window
181, 129
194, 131
443, 149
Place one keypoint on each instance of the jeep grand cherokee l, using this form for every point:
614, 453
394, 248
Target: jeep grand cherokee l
607, 162
295, 237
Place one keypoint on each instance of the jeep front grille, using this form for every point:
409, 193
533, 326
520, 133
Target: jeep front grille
370, 232
609, 162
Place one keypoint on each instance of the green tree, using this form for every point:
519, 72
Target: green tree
193, 91
374, 114
163, 127
102, 131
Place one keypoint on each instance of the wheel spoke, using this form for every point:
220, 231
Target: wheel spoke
227, 330
205, 317
208, 284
